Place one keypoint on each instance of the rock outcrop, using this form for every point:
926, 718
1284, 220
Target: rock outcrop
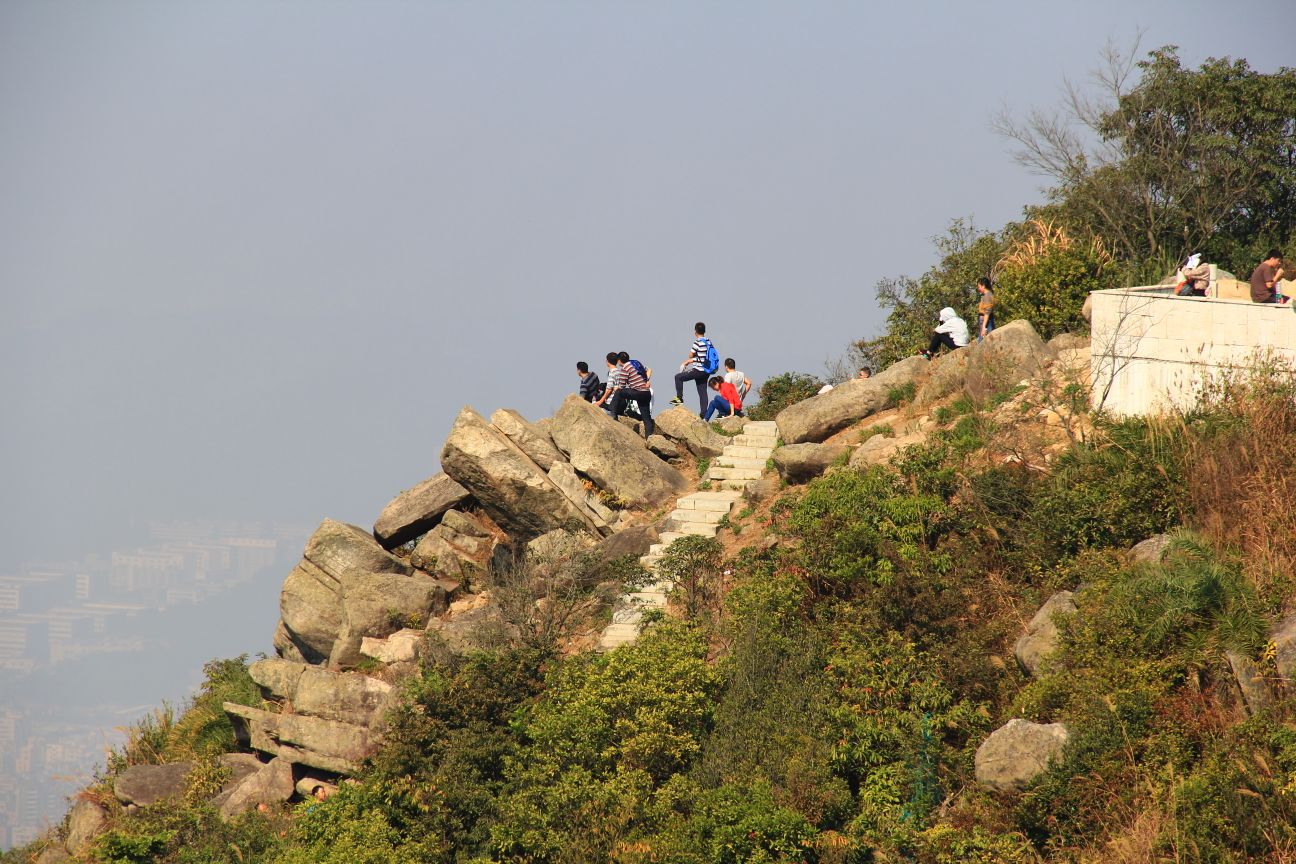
514, 491
800, 463
613, 457
816, 418
946, 374
271, 783
530, 439
415, 511
338, 558
688, 429
318, 692
143, 785
1018, 752
1012, 353
85, 821
458, 550
1041, 636
301, 740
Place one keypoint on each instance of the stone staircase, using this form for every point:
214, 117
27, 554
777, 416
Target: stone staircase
700, 513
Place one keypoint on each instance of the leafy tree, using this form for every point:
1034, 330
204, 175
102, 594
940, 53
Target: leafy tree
913, 305
1175, 161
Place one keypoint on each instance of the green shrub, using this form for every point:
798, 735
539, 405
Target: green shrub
781, 391
692, 566
370, 823
902, 394
733, 825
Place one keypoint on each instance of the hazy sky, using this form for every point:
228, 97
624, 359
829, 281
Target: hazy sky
254, 256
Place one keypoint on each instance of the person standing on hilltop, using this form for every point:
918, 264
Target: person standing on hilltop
1264, 278
985, 308
702, 362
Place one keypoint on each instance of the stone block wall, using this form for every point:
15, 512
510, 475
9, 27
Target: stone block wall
1151, 351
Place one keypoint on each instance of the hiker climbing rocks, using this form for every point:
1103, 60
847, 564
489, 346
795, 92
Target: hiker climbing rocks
631, 386
700, 364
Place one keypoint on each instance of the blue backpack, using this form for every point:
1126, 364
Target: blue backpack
712, 359
639, 367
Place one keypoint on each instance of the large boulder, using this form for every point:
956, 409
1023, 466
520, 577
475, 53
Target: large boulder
633, 541
85, 821
473, 623
344, 589
345, 696
800, 463
682, 425
415, 511
1151, 550
143, 785
400, 647
1018, 752
662, 446
513, 490
613, 456
329, 745
818, 417
945, 375
1011, 353
585, 497
310, 604
378, 604
271, 784
1041, 636
459, 549
879, 449
529, 438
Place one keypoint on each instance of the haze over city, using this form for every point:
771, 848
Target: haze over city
257, 256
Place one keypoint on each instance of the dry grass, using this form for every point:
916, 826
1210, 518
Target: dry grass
1242, 476
1042, 237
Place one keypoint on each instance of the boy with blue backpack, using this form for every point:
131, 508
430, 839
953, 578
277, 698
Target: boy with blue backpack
700, 364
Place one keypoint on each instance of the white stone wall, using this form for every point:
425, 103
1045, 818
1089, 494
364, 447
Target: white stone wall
1150, 352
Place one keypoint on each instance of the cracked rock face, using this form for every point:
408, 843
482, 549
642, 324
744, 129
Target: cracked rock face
511, 487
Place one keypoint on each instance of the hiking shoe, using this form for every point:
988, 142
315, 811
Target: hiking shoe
675, 400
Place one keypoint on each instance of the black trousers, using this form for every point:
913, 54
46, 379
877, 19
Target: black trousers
693, 375
939, 339
641, 398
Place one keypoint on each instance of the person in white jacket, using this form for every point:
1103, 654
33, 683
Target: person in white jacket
951, 333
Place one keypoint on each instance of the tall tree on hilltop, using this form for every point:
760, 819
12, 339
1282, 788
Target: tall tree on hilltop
1179, 160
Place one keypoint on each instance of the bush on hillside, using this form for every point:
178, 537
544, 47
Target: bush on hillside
781, 391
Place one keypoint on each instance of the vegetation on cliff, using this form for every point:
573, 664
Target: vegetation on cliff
822, 694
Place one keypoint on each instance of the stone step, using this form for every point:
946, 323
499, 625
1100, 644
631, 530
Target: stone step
719, 502
753, 441
760, 427
650, 560
721, 473
738, 462
648, 596
698, 515
736, 485
701, 529
630, 614
616, 635
748, 452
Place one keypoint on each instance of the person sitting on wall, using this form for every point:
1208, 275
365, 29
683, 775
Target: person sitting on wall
951, 333
1194, 276
1265, 278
